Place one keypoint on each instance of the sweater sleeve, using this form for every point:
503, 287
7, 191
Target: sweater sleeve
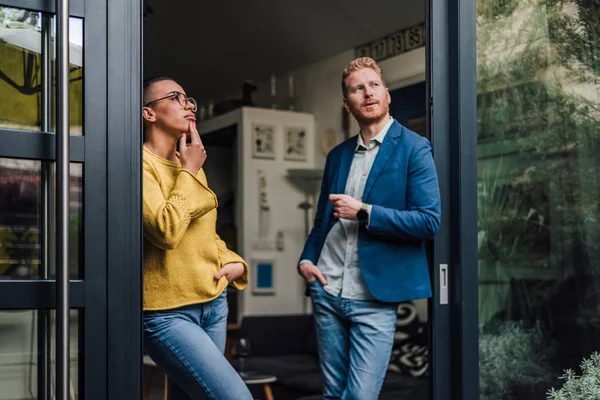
227, 256
166, 218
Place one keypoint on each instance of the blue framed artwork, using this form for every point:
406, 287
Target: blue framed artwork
263, 276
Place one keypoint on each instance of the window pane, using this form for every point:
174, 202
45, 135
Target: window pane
20, 365
538, 193
20, 69
25, 186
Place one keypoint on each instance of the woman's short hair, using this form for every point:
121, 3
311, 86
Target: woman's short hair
148, 83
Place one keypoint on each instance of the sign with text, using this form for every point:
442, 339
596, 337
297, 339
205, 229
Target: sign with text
394, 44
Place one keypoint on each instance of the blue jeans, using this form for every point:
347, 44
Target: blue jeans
355, 341
188, 343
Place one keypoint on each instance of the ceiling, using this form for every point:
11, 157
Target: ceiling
211, 48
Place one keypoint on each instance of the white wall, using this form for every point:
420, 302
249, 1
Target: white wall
317, 89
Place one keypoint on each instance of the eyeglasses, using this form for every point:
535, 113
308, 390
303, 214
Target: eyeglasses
181, 98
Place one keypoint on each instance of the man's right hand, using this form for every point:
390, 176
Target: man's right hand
193, 154
310, 273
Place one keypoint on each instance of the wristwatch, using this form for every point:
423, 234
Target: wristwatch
362, 215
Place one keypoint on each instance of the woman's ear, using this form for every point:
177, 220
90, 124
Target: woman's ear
148, 114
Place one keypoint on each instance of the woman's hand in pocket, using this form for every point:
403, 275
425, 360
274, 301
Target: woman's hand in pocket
231, 271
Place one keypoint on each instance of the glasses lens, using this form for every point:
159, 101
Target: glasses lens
193, 103
181, 99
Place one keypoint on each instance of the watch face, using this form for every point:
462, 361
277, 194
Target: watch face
362, 215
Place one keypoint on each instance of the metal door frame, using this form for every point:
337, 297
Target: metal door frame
452, 118
110, 293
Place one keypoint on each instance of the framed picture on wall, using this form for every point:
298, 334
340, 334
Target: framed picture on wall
263, 141
295, 143
263, 276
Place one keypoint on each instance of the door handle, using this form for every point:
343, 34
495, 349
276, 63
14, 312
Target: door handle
62, 200
444, 283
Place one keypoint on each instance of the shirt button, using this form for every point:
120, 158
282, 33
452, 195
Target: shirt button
174, 173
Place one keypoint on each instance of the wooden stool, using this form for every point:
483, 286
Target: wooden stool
148, 382
252, 378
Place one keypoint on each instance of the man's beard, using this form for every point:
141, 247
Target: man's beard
369, 119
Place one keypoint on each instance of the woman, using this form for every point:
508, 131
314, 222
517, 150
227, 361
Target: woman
187, 267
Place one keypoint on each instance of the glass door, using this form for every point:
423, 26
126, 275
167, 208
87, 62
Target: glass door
78, 351
28, 212
538, 185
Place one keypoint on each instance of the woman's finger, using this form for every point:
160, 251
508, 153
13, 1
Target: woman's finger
194, 133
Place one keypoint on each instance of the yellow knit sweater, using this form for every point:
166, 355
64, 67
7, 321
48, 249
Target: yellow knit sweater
182, 251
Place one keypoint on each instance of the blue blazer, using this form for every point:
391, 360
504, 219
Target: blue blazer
402, 189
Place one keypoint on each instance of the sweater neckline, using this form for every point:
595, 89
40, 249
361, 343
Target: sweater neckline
162, 160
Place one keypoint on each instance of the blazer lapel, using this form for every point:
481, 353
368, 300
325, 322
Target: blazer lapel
345, 163
388, 146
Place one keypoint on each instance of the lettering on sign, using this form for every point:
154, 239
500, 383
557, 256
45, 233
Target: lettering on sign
394, 44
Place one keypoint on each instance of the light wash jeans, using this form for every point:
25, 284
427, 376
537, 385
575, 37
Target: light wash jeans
188, 344
355, 339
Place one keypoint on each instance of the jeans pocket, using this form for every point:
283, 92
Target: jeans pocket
154, 322
315, 288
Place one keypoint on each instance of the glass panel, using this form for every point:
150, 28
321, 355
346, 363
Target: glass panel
76, 75
538, 194
22, 215
20, 353
20, 69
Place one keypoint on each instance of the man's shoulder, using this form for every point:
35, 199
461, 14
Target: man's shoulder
339, 149
410, 139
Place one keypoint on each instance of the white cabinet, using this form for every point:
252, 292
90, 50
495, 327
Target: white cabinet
249, 152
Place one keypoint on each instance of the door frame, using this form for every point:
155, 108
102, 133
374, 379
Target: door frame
124, 194
452, 118
111, 292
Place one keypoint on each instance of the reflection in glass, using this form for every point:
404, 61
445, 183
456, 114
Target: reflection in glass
21, 70
22, 214
20, 73
76, 75
19, 354
538, 193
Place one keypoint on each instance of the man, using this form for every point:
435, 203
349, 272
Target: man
379, 203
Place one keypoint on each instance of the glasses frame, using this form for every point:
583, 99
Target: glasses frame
177, 95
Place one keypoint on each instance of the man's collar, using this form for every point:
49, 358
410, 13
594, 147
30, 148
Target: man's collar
379, 138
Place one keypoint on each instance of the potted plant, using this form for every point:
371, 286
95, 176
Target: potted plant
580, 387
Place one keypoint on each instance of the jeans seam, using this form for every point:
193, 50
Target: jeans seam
196, 377
202, 314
